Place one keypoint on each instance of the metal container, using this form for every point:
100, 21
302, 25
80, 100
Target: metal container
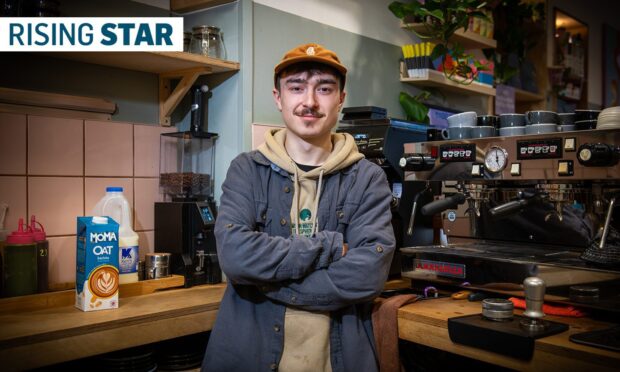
497, 309
157, 265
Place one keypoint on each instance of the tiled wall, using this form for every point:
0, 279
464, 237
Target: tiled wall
57, 169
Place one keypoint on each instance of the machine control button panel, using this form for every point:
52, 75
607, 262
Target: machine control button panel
515, 169
477, 170
464, 152
550, 148
570, 144
565, 168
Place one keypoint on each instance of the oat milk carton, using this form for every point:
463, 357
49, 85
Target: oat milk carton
96, 279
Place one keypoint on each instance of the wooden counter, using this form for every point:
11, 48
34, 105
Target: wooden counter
36, 338
426, 323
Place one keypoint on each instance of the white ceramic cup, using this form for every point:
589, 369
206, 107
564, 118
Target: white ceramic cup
464, 119
455, 133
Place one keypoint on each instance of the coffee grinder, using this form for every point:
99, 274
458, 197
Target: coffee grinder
184, 224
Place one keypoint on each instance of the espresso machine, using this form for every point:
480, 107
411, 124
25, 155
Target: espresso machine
381, 140
184, 223
515, 207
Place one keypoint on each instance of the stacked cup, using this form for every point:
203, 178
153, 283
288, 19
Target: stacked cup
586, 119
486, 126
511, 124
460, 126
540, 122
567, 122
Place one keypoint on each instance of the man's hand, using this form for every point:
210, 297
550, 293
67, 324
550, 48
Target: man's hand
345, 248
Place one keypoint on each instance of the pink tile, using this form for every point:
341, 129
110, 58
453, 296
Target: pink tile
108, 149
94, 190
146, 144
62, 256
147, 242
56, 202
146, 194
13, 193
12, 143
55, 146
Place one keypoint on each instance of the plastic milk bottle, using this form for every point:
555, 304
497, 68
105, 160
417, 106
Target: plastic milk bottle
114, 205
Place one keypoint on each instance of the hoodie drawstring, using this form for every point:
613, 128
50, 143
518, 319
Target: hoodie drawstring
296, 202
316, 205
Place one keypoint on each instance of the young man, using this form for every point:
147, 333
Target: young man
303, 235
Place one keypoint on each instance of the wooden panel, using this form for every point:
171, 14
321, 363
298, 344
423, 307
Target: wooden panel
67, 297
57, 101
31, 339
57, 113
468, 39
181, 6
154, 62
438, 80
426, 323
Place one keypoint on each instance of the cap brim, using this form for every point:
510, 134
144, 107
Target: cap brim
282, 65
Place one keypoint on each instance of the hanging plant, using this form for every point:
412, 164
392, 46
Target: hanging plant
413, 106
441, 19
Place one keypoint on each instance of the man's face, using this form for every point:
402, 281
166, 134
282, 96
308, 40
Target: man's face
310, 103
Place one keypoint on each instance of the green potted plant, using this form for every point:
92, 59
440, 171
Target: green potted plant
441, 19
414, 108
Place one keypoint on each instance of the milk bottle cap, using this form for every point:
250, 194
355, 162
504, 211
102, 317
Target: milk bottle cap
113, 189
38, 233
21, 236
99, 220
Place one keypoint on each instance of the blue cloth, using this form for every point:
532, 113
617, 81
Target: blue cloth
268, 269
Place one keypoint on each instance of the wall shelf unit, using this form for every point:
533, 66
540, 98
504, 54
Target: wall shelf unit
468, 39
438, 80
525, 96
168, 65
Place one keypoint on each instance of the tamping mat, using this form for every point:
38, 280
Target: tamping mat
608, 338
506, 337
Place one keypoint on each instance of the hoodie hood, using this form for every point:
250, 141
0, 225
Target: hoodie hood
344, 153
307, 185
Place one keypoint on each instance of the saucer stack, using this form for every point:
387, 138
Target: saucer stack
609, 118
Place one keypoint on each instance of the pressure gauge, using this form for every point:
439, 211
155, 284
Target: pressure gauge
495, 159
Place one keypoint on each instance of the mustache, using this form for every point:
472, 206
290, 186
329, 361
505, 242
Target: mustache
311, 112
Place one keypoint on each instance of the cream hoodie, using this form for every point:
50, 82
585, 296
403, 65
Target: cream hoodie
306, 334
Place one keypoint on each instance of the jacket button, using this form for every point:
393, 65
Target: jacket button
273, 366
340, 214
287, 189
263, 216
293, 299
276, 328
229, 225
379, 249
282, 222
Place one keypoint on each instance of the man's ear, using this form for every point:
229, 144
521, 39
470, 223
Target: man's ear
277, 99
343, 94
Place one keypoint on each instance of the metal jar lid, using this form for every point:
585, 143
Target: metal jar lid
157, 259
498, 304
584, 293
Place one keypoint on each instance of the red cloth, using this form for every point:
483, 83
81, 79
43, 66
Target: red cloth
551, 309
385, 329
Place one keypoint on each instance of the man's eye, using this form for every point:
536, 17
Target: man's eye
325, 90
295, 89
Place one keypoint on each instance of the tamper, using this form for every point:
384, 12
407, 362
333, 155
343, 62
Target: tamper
534, 298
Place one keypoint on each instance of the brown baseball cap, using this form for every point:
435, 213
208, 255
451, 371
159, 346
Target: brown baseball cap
310, 52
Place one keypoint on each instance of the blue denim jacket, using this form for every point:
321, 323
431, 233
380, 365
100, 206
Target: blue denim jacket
268, 269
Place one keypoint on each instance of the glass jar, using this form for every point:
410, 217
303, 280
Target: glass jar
208, 41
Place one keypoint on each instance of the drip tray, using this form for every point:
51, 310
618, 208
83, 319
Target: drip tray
506, 337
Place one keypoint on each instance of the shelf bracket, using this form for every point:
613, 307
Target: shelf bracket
169, 99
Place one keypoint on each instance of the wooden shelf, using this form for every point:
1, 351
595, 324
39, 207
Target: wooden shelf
468, 39
438, 80
525, 96
168, 65
183, 6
